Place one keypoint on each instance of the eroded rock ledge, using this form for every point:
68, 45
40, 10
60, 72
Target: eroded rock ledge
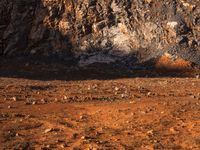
101, 30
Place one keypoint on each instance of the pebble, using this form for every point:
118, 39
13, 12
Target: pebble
116, 89
64, 145
82, 117
65, 97
48, 130
193, 96
89, 88
173, 130
14, 98
52, 130
95, 86
43, 101
150, 132
149, 94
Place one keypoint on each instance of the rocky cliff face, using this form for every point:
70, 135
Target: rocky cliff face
101, 30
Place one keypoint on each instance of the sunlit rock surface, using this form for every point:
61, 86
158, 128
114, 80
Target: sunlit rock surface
101, 30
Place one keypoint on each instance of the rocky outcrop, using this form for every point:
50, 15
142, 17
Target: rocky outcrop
101, 30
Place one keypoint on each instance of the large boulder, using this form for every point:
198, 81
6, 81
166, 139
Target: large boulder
101, 30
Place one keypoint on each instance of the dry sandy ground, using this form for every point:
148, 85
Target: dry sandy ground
98, 112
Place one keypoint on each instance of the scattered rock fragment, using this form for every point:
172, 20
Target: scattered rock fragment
14, 98
65, 97
116, 89
51, 130
64, 145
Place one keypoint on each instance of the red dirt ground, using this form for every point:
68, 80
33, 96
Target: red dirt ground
49, 107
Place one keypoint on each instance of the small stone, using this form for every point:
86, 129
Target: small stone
65, 97
51, 130
116, 89
197, 76
83, 138
60, 141
149, 94
14, 98
123, 95
82, 117
64, 145
143, 112
172, 130
95, 86
43, 101
193, 96
48, 130
28, 116
9, 107
150, 132
33, 103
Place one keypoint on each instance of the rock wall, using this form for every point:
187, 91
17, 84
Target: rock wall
101, 30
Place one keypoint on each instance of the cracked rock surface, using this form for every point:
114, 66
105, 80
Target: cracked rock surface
101, 30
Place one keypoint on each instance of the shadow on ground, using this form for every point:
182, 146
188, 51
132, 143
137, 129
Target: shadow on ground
48, 69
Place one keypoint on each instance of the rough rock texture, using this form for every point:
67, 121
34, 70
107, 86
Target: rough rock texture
101, 30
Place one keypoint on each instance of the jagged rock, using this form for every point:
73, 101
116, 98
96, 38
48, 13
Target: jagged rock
145, 29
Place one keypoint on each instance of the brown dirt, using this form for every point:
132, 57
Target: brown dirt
165, 62
58, 110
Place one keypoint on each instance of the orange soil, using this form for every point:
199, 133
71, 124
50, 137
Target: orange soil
159, 112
